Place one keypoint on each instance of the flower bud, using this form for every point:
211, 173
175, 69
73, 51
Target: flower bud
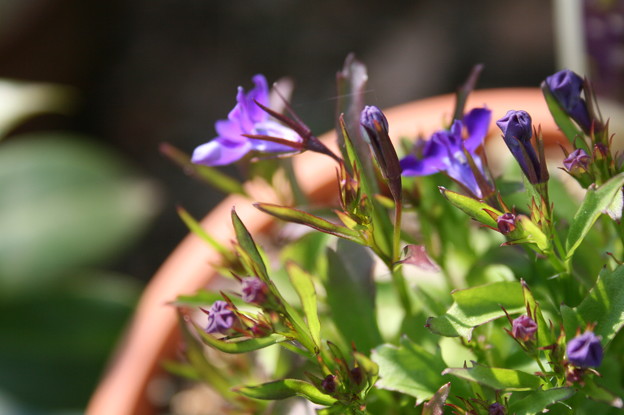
585, 350
329, 384
517, 132
506, 223
375, 126
566, 87
496, 409
220, 318
524, 328
578, 159
254, 290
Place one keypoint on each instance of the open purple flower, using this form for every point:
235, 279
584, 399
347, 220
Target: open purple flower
444, 151
220, 318
246, 118
585, 350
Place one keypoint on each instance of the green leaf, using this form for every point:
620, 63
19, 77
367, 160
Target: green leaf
435, 406
239, 346
297, 216
597, 200
604, 305
286, 388
207, 174
250, 255
350, 295
302, 281
476, 209
409, 369
475, 306
536, 401
545, 336
496, 378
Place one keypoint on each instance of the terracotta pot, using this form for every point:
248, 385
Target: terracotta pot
152, 333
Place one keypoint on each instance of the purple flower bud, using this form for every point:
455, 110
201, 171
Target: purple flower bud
578, 159
524, 328
496, 409
254, 290
356, 375
517, 132
220, 318
566, 87
375, 127
329, 384
585, 350
506, 223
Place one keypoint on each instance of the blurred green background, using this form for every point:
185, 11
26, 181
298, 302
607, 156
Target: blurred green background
90, 88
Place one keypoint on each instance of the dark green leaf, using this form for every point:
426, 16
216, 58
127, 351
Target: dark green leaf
539, 400
495, 378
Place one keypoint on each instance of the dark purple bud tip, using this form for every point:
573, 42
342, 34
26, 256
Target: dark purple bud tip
220, 318
373, 119
524, 328
356, 375
254, 290
329, 384
496, 409
578, 159
506, 223
585, 350
516, 124
566, 87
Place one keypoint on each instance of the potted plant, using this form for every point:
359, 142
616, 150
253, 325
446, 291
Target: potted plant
425, 278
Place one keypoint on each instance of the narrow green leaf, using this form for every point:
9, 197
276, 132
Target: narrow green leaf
409, 369
286, 388
248, 248
600, 394
596, 201
297, 216
475, 306
496, 378
537, 401
302, 281
604, 306
350, 295
207, 174
196, 228
241, 346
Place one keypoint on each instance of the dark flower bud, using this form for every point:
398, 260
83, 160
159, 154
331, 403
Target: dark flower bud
506, 223
220, 318
517, 132
524, 328
356, 375
375, 126
254, 290
496, 409
585, 350
329, 384
566, 87
578, 159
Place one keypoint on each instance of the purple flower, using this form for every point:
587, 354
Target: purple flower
254, 290
444, 151
578, 159
375, 126
220, 318
246, 118
566, 87
506, 223
523, 328
585, 350
517, 132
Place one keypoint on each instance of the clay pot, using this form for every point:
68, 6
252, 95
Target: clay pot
153, 334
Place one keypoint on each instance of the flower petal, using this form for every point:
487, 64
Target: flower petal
220, 151
477, 122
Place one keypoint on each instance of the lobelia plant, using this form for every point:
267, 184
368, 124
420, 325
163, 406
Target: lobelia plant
362, 315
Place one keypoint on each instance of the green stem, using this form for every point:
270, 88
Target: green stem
396, 240
400, 285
